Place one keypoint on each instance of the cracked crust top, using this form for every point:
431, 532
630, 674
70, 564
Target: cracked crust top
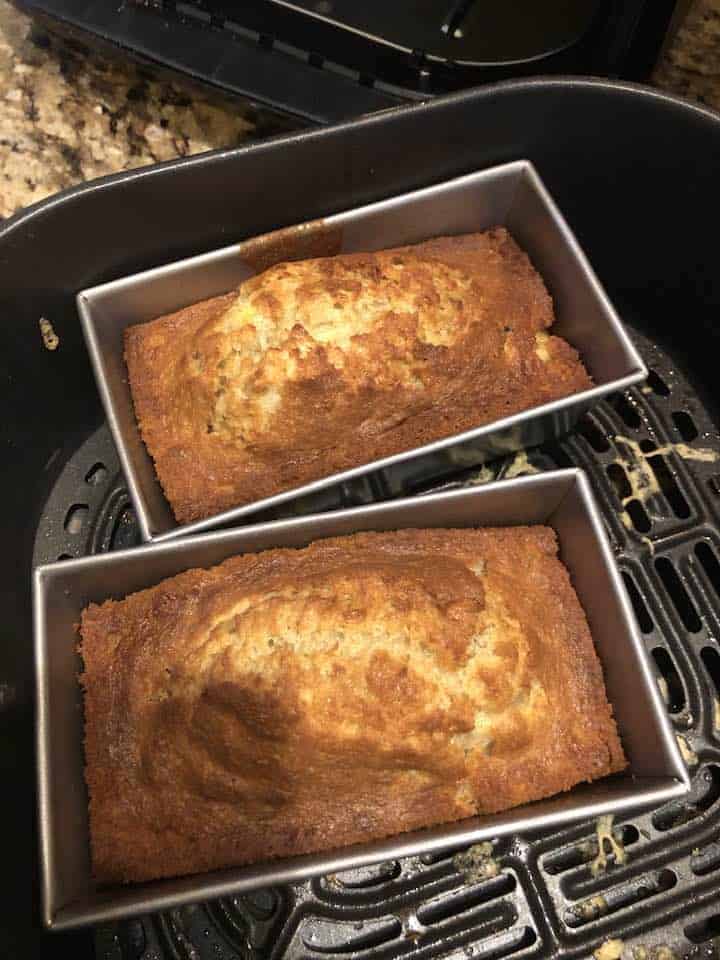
317, 366
299, 700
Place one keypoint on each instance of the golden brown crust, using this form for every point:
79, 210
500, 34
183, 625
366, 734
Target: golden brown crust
299, 700
317, 366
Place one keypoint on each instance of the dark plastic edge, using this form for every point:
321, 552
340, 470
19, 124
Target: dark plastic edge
499, 89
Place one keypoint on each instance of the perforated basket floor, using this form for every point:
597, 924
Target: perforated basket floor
653, 456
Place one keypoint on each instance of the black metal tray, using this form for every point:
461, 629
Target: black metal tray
636, 174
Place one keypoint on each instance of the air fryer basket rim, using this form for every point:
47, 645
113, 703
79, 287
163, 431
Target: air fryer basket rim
476, 94
623, 124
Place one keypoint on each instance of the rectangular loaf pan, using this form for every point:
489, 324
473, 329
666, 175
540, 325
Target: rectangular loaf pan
511, 195
561, 499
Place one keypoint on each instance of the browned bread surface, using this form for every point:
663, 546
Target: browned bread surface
300, 700
317, 366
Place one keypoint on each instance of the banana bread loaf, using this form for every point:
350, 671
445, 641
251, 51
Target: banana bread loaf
300, 700
317, 366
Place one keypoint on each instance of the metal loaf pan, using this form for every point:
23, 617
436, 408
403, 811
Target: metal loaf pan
561, 499
511, 195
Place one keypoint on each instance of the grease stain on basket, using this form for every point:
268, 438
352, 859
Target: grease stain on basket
640, 475
477, 863
484, 475
683, 450
51, 341
659, 952
688, 754
609, 950
412, 928
702, 454
662, 952
608, 844
628, 524
591, 909
520, 466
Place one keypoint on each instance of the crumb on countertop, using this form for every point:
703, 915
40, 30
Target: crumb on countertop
50, 339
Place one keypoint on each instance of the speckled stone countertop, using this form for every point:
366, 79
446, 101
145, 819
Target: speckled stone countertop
66, 117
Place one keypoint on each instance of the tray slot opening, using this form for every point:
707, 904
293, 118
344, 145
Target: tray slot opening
639, 606
704, 930
364, 878
625, 409
685, 425
97, 474
467, 899
675, 699
638, 515
583, 853
678, 594
594, 434
709, 563
657, 384
76, 518
704, 794
512, 942
666, 480
619, 898
707, 861
333, 937
442, 856
711, 660
619, 480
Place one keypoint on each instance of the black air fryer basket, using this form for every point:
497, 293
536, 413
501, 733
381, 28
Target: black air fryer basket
635, 173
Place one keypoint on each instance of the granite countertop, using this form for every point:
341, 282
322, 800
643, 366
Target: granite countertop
66, 116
